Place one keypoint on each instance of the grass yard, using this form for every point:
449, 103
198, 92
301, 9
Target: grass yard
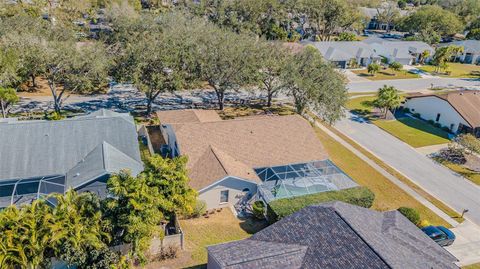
386, 74
414, 132
465, 172
472, 266
218, 228
458, 70
388, 196
361, 105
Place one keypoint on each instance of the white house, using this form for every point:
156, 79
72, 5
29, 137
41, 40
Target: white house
404, 52
471, 51
266, 157
459, 111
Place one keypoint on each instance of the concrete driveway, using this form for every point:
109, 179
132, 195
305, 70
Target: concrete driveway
454, 190
414, 85
467, 243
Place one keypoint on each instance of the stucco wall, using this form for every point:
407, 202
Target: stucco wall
235, 186
429, 107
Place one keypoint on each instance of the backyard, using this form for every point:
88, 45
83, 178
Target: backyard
457, 70
201, 232
384, 74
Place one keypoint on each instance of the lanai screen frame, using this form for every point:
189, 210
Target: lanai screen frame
318, 174
45, 186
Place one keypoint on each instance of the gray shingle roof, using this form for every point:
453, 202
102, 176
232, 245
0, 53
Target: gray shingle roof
343, 50
337, 235
470, 46
81, 147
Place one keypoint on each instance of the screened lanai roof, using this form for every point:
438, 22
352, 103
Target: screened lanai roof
24, 191
298, 179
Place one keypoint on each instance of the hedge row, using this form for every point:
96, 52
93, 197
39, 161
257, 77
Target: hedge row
280, 208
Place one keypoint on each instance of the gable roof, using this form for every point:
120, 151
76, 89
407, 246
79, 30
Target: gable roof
80, 147
337, 235
469, 46
343, 50
234, 147
397, 49
187, 116
465, 102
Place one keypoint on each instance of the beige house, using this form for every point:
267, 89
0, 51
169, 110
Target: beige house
228, 159
459, 110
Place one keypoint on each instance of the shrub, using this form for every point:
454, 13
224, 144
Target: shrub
258, 210
423, 223
469, 142
280, 208
446, 129
417, 115
438, 125
199, 209
167, 252
411, 214
396, 66
431, 122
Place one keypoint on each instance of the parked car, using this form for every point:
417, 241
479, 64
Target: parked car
443, 236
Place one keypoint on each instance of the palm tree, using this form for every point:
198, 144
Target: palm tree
77, 224
388, 98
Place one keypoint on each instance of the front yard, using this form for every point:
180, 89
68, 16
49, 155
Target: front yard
457, 70
385, 74
415, 132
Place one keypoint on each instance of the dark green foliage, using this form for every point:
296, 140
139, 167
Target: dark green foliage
360, 196
258, 210
411, 214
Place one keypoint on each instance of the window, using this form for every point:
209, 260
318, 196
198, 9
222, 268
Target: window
224, 196
438, 117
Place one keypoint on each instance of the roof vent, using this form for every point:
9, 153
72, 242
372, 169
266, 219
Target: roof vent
77, 174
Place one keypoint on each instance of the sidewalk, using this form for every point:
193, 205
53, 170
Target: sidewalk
390, 177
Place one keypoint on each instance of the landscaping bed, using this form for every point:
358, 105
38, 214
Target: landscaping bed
386, 74
280, 208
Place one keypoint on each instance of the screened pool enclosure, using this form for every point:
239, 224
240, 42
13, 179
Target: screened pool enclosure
24, 191
300, 179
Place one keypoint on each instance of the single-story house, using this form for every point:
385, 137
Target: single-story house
233, 161
42, 157
471, 51
372, 14
342, 54
404, 52
459, 110
334, 235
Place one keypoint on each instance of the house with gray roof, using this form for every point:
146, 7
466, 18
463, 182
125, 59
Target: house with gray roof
344, 54
334, 235
471, 51
404, 52
42, 157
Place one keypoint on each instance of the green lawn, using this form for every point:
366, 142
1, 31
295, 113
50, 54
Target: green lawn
414, 132
386, 74
472, 266
458, 70
388, 196
220, 227
361, 105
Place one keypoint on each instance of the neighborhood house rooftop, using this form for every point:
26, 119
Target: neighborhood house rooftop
300, 179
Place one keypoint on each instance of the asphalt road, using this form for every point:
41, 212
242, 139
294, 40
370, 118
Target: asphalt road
437, 180
414, 85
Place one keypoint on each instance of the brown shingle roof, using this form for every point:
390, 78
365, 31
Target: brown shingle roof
187, 116
465, 102
234, 147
